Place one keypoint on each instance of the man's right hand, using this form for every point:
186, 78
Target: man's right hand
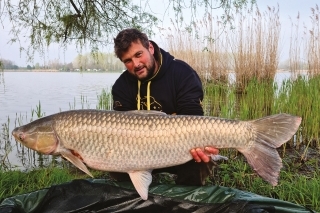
200, 154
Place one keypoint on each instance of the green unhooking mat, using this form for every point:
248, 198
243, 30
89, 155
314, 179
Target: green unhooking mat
99, 195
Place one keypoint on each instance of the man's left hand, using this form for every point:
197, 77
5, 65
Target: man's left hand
200, 154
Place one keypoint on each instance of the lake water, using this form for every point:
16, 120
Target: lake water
21, 92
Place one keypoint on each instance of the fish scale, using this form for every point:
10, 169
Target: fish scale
137, 142
122, 136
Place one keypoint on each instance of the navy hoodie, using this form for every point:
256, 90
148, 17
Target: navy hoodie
176, 88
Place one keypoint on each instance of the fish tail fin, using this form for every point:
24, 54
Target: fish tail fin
270, 133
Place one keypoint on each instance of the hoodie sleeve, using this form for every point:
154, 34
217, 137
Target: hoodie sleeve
189, 91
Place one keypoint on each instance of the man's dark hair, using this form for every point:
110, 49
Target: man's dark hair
124, 39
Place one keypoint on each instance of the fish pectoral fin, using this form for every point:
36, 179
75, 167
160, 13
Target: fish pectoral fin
75, 161
141, 181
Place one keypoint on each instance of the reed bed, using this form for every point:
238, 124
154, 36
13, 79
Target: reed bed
105, 100
305, 44
197, 44
5, 146
250, 50
254, 46
301, 97
297, 97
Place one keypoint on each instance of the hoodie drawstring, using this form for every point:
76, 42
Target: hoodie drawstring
148, 87
148, 96
138, 96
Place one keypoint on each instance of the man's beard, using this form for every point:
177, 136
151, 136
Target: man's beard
150, 70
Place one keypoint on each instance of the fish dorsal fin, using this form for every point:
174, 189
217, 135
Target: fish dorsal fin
141, 181
75, 161
146, 112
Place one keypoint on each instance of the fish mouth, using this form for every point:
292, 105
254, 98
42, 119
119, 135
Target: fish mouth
18, 135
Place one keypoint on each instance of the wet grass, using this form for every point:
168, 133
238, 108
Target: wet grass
15, 182
18, 182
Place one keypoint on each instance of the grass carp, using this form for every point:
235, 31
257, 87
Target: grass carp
137, 142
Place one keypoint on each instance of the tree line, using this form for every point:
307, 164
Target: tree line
83, 62
7, 64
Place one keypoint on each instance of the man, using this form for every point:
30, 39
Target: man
154, 80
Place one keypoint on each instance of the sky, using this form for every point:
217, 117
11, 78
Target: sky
288, 8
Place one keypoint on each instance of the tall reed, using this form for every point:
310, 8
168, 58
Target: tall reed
304, 50
254, 46
104, 100
202, 45
250, 50
313, 43
295, 49
301, 97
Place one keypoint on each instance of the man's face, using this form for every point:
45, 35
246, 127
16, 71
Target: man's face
139, 61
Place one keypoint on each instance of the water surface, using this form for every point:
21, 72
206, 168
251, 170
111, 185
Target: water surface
21, 92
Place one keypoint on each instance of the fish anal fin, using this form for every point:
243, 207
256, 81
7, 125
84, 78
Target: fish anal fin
75, 160
141, 181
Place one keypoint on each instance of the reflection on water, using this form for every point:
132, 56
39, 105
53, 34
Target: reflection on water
26, 95
5, 146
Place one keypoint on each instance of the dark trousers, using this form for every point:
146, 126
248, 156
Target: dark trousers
190, 173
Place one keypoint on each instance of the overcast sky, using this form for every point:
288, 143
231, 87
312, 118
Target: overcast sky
288, 8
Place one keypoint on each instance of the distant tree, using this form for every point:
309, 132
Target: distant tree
68, 66
55, 64
102, 61
29, 67
37, 66
91, 23
7, 64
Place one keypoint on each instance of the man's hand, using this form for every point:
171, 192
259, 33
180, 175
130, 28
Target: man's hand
199, 154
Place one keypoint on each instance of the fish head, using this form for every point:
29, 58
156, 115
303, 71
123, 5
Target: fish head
38, 135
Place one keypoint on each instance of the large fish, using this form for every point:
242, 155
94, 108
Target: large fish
137, 142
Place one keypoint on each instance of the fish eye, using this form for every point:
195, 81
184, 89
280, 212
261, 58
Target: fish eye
21, 137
